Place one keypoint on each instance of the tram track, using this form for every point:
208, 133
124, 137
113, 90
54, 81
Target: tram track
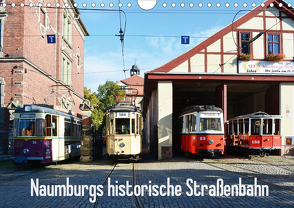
139, 203
248, 176
137, 199
103, 183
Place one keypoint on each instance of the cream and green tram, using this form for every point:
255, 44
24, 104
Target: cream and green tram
124, 131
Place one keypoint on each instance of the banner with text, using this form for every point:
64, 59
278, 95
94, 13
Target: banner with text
266, 67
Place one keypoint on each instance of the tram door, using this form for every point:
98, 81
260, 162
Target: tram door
54, 130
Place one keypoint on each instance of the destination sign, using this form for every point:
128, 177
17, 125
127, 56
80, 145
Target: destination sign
27, 115
122, 114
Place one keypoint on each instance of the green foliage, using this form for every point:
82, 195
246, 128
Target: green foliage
276, 57
246, 57
106, 96
93, 99
101, 100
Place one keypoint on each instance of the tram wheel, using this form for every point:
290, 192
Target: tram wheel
262, 154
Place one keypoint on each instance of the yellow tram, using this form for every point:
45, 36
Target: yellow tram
124, 130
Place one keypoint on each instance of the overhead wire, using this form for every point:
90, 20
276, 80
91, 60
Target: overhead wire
121, 35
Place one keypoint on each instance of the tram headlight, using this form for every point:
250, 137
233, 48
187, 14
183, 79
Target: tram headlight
210, 141
122, 144
26, 151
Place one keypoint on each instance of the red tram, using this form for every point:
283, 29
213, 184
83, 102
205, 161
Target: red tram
255, 132
202, 130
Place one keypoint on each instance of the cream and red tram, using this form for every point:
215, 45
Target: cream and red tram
257, 131
44, 135
202, 130
124, 129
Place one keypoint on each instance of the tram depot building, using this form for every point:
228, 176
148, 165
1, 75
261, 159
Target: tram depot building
36, 70
216, 73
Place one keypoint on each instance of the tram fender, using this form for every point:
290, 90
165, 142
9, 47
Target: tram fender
20, 159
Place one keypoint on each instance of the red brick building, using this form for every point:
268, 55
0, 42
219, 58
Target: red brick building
33, 71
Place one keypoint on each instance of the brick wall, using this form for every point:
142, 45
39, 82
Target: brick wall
31, 67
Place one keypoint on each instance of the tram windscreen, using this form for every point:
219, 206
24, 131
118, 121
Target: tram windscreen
26, 127
210, 124
122, 126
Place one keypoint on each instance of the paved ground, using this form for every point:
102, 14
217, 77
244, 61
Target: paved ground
276, 172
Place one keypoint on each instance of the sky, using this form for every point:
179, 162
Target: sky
152, 35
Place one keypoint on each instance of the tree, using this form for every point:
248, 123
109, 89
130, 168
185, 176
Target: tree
106, 96
96, 119
101, 101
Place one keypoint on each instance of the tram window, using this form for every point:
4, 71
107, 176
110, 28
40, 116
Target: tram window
16, 127
78, 131
235, 127
246, 121
67, 127
277, 127
187, 124
255, 126
241, 126
133, 126
111, 126
48, 125
122, 125
40, 126
193, 124
267, 126
27, 127
54, 125
210, 124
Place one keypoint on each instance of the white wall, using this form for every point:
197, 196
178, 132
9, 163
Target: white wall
165, 111
287, 110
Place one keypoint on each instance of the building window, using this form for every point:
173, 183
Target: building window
66, 71
273, 43
67, 28
245, 47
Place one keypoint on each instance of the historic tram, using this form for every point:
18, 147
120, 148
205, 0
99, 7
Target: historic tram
202, 130
43, 134
255, 132
124, 128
